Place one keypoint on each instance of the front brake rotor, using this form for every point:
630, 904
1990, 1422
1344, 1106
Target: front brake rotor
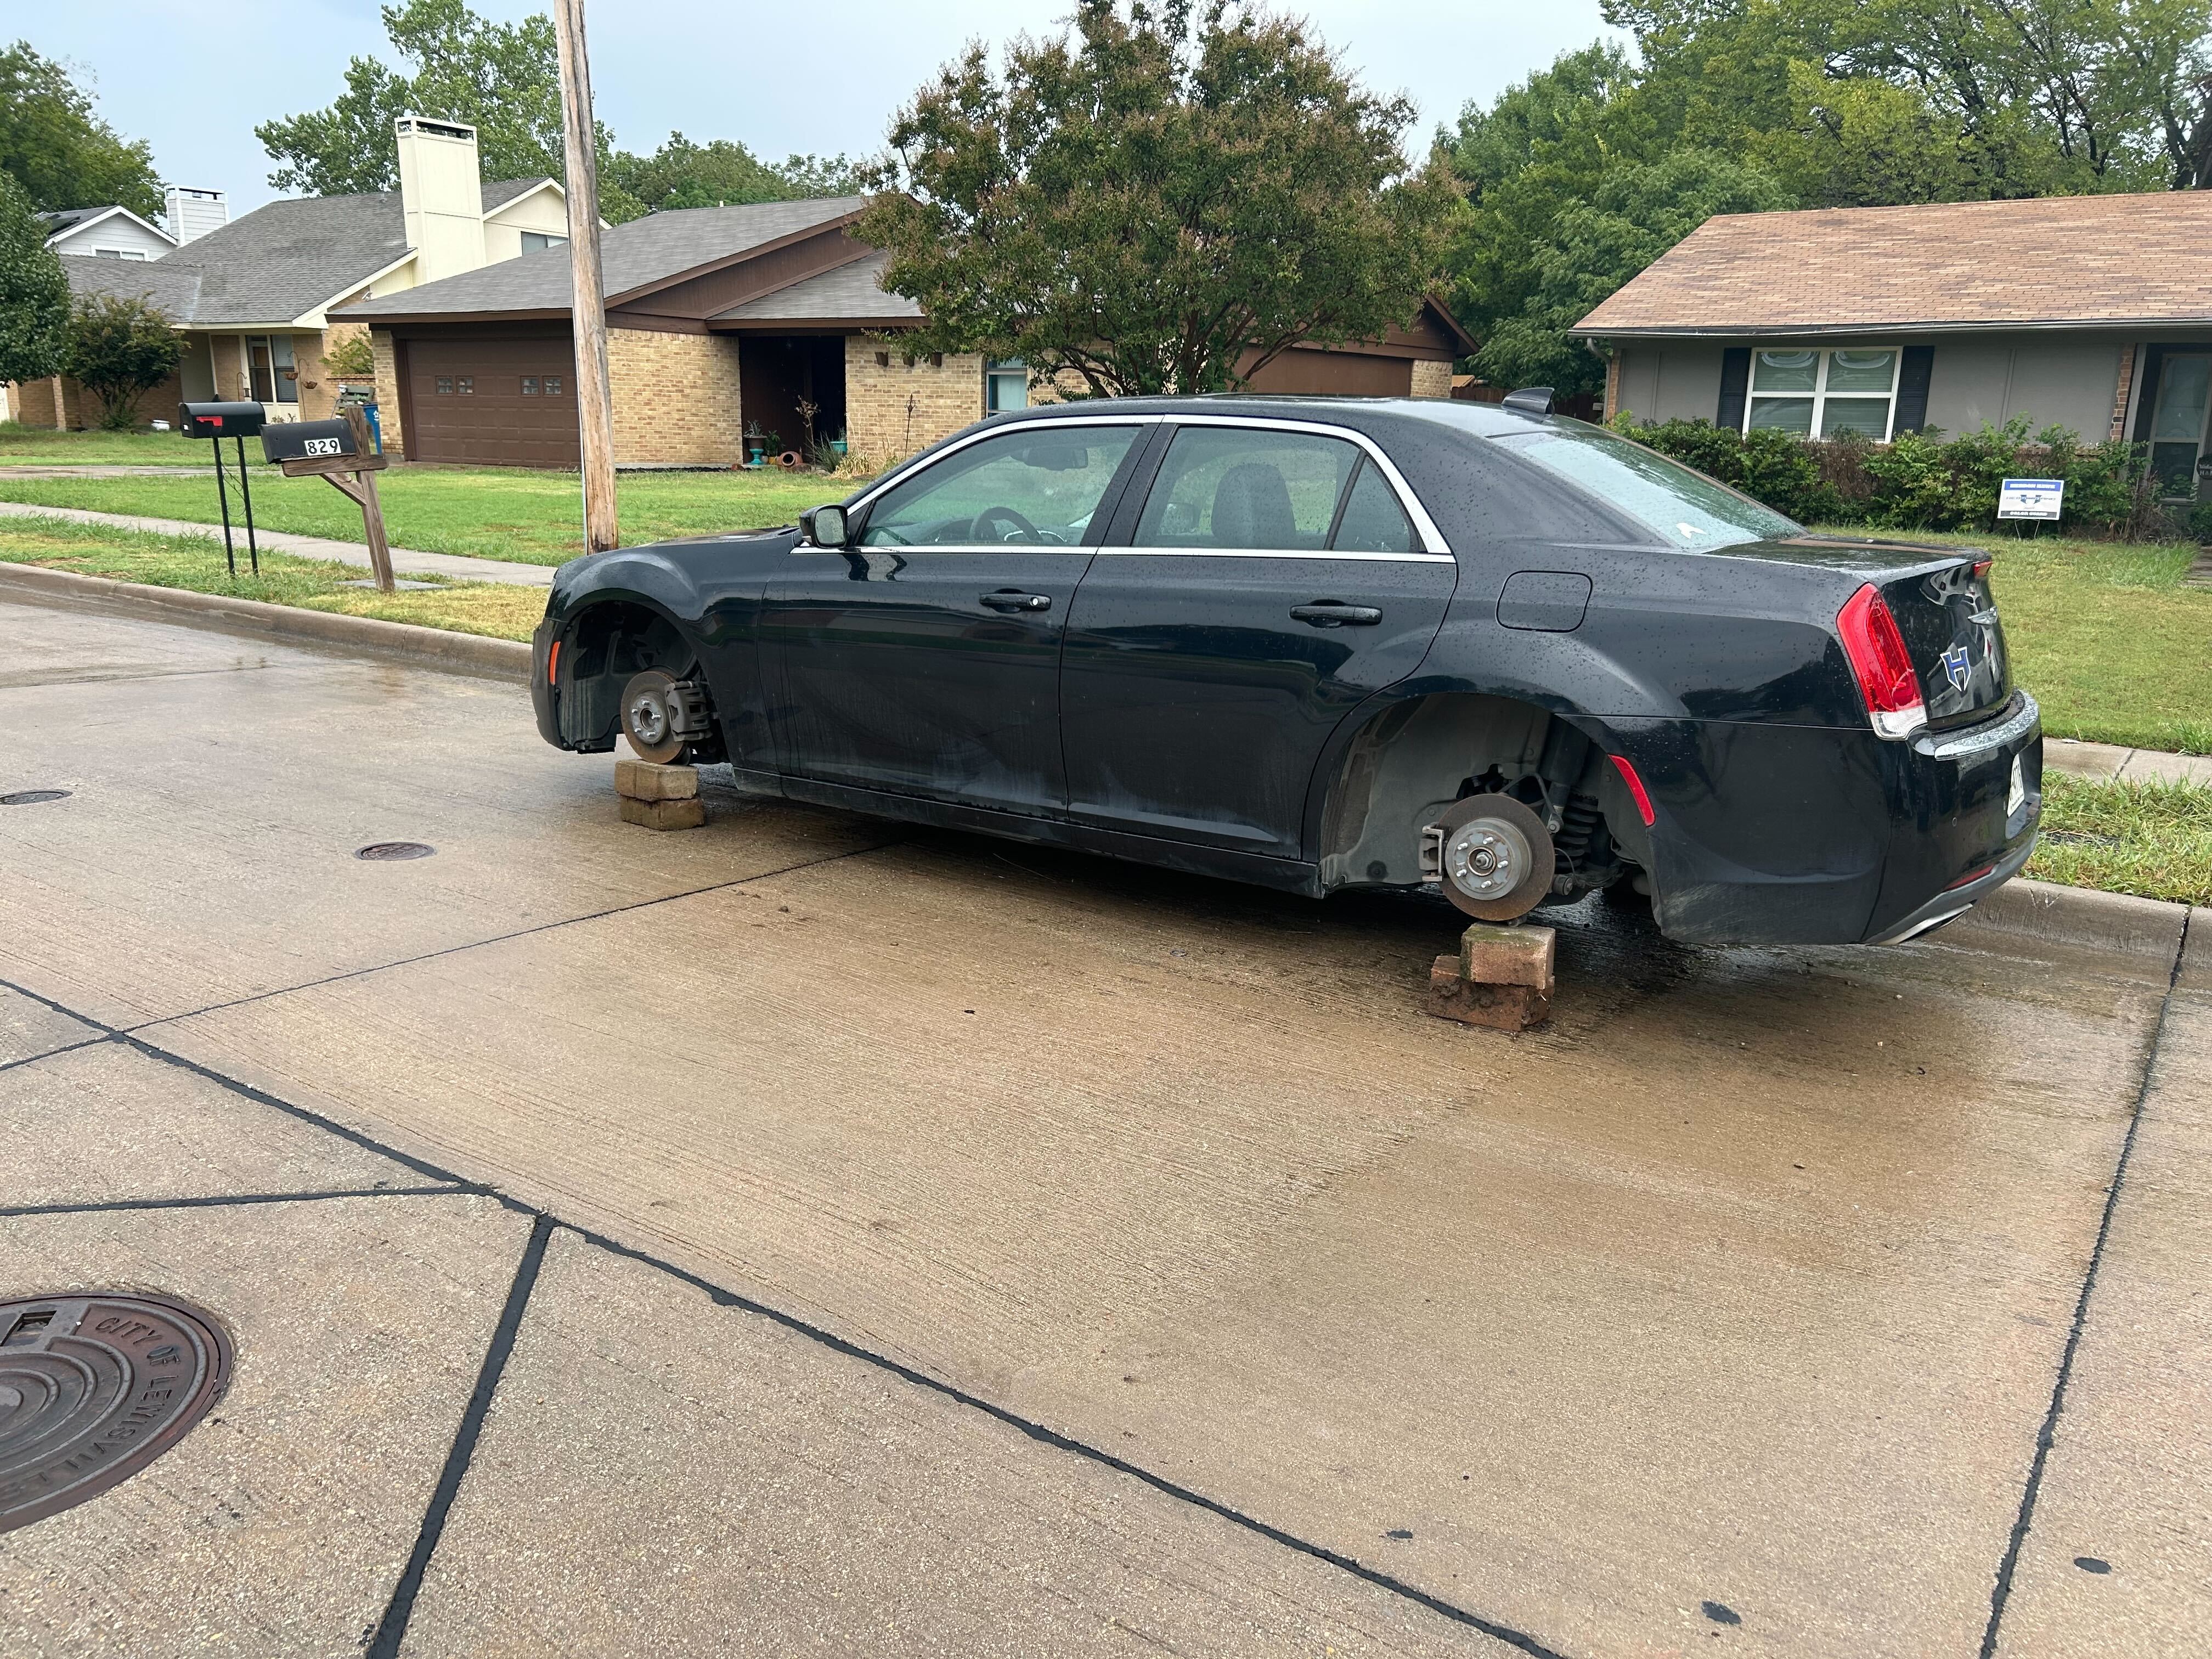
649, 717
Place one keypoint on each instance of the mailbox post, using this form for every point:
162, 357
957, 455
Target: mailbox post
328, 449
216, 422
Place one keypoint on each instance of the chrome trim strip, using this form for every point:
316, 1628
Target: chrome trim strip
1268, 553
1432, 538
1975, 739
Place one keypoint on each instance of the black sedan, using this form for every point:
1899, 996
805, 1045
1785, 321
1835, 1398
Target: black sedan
1322, 643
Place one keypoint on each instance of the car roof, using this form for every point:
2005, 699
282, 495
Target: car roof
1477, 420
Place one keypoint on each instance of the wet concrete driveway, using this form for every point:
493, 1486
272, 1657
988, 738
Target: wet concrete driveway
807, 1234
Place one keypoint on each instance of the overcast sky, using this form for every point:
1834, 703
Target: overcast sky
194, 77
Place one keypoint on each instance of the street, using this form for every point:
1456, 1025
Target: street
861, 1239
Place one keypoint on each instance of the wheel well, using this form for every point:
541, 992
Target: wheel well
1412, 761
603, 645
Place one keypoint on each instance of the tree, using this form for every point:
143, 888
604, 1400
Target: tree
502, 79
120, 349
34, 295
62, 154
1147, 204
1636, 214
724, 173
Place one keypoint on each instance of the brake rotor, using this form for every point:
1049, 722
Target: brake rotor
1496, 857
649, 718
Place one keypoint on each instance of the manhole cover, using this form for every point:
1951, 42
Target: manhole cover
93, 1389
385, 852
33, 796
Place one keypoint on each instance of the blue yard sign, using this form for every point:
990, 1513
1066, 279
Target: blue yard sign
2031, 498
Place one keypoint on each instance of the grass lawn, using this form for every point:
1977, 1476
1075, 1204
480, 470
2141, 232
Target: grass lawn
32, 446
2106, 637
498, 609
489, 513
2151, 839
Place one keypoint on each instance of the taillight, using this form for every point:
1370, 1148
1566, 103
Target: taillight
1883, 666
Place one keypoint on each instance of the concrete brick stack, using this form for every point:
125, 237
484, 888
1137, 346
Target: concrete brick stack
1501, 978
659, 796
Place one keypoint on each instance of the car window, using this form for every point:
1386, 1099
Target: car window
1688, 509
1373, 521
1243, 488
1036, 486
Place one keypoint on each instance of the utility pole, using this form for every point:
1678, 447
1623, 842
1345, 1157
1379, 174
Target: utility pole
589, 313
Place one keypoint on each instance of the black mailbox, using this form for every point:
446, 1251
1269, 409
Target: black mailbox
311, 440
220, 420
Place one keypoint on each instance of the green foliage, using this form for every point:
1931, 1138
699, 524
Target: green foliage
2200, 523
1919, 482
34, 295
120, 349
62, 154
1145, 205
504, 79
1591, 248
352, 358
1772, 467
1807, 103
725, 173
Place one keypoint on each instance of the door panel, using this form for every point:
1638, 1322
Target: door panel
926, 661
1205, 669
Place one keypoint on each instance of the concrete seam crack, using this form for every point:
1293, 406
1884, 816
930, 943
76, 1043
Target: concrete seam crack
392, 1629
221, 1201
2047, 1435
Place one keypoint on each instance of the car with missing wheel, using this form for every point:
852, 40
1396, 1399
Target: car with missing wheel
1322, 643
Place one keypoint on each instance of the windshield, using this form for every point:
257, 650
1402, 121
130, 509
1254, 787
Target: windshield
1688, 509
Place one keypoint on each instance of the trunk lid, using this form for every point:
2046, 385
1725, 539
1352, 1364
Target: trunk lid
1945, 611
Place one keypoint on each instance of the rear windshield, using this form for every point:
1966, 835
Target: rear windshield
1687, 509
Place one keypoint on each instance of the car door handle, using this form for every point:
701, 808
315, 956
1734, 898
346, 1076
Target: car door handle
1007, 599
1336, 613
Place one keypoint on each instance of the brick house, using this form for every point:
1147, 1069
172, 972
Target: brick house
2093, 312
253, 297
767, 318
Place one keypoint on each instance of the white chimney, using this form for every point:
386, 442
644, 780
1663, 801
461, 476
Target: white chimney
191, 214
441, 194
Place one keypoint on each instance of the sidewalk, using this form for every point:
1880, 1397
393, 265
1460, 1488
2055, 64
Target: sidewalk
2105, 762
404, 561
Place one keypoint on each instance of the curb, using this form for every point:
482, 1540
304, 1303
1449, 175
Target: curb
2117, 924
437, 647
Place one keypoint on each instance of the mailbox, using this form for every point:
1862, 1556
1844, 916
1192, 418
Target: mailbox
220, 420
309, 440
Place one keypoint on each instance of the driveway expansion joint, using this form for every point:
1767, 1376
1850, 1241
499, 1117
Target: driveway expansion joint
2047, 1435
221, 1201
391, 1631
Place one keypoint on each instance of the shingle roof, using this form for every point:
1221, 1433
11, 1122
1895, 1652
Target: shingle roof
171, 284
850, 293
2066, 259
640, 254
283, 260
63, 218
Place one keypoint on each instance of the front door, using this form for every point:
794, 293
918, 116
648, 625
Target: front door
925, 659
2176, 426
1273, 581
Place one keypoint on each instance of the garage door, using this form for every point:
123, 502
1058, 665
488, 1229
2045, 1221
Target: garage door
491, 401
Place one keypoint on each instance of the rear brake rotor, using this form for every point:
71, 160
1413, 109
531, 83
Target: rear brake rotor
1496, 857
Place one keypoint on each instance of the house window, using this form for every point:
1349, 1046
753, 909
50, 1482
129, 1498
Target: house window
2177, 424
445, 384
273, 373
1006, 386
534, 242
530, 385
1825, 393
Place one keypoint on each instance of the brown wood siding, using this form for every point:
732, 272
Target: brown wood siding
482, 417
1302, 373
718, 290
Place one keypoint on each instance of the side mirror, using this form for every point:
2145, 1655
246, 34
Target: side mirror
825, 527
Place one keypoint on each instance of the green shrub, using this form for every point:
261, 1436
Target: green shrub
2200, 523
1920, 482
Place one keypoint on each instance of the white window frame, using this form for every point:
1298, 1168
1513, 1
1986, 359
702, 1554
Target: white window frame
1819, 393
